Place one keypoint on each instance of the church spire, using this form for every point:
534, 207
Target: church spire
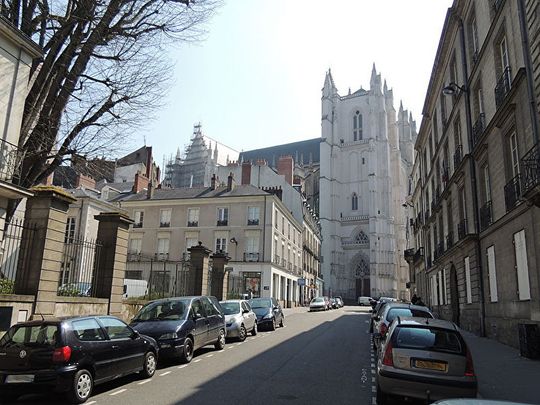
329, 88
375, 82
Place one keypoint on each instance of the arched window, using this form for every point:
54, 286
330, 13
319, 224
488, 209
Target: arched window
362, 268
354, 202
361, 238
357, 126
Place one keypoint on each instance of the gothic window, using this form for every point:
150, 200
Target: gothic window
362, 268
354, 202
357, 126
361, 238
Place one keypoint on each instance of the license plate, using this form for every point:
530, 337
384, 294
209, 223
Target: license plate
19, 378
431, 365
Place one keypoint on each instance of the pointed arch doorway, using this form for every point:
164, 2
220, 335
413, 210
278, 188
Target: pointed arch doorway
363, 282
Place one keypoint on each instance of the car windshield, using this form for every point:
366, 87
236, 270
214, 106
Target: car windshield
393, 313
230, 308
261, 303
428, 339
318, 299
31, 335
170, 310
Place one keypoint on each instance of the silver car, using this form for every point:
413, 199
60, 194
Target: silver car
318, 304
239, 319
426, 359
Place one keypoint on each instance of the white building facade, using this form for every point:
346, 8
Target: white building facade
366, 158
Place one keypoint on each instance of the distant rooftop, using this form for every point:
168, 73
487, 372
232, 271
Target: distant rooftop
303, 152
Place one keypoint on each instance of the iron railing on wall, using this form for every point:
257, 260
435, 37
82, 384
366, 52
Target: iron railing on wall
10, 162
531, 168
79, 267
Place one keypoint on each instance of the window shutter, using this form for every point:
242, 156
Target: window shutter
492, 274
524, 289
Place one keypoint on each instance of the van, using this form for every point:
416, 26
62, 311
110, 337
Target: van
135, 288
364, 301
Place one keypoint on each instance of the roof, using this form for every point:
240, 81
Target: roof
303, 152
195, 192
141, 155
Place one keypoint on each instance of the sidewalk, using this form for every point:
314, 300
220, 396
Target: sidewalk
502, 373
295, 310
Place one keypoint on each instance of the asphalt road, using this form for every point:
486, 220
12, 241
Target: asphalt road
322, 357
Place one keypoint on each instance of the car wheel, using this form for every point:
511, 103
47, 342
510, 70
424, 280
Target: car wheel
187, 353
149, 367
281, 322
273, 324
82, 386
254, 330
242, 334
220, 342
382, 397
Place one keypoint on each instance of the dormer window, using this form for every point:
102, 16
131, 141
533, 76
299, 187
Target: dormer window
357, 126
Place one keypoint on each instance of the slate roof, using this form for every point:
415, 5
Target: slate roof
301, 152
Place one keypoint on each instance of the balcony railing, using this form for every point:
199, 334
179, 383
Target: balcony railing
253, 222
284, 263
486, 217
10, 162
222, 222
449, 240
531, 168
503, 87
162, 256
192, 224
512, 192
478, 128
458, 156
251, 257
462, 229
134, 256
165, 224
137, 225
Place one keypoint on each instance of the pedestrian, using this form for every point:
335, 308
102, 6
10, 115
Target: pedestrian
420, 302
414, 299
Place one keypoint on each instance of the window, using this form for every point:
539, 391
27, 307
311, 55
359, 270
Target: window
70, 230
282, 225
522, 267
357, 126
223, 216
135, 245
487, 187
209, 307
190, 242
435, 138
443, 109
289, 231
354, 202
116, 329
468, 280
474, 39
252, 244
276, 219
253, 215
139, 215
165, 218
193, 217
514, 154
163, 248
445, 292
503, 53
88, 330
492, 274
462, 204
221, 244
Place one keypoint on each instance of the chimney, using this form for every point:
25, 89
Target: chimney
150, 191
246, 173
141, 182
85, 181
285, 168
213, 182
230, 182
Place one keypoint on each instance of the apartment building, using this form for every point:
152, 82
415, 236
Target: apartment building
475, 228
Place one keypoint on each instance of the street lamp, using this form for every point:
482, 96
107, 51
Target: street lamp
453, 88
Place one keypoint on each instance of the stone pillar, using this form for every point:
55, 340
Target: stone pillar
111, 267
218, 290
198, 274
46, 212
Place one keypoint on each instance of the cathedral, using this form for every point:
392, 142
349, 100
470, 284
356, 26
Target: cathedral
366, 156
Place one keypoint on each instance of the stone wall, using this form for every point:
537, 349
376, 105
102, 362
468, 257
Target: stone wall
80, 306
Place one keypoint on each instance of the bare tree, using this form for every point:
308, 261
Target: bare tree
104, 71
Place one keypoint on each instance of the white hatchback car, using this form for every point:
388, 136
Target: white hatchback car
239, 319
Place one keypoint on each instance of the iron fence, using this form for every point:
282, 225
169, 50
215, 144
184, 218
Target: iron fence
235, 286
10, 162
79, 267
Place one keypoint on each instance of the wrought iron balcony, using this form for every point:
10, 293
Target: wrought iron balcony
478, 128
165, 224
162, 256
222, 222
530, 164
462, 229
192, 224
486, 217
503, 87
134, 256
253, 222
449, 240
10, 162
512, 192
137, 225
251, 257
458, 156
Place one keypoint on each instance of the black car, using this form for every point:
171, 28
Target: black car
182, 325
72, 355
268, 311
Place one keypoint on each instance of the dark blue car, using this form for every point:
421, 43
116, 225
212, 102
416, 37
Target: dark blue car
182, 325
268, 311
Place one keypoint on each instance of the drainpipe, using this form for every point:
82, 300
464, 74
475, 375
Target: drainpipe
528, 69
472, 169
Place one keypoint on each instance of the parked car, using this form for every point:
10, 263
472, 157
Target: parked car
467, 401
268, 311
239, 319
328, 303
182, 325
333, 303
390, 312
364, 301
340, 301
317, 304
425, 359
381, 302
72, 355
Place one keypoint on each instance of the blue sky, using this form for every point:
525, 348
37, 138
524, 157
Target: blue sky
256, 80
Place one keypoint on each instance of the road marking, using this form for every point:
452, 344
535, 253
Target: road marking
91, 402
118, 392
141, 383
165, 373
184, 366
196, 361
210, 355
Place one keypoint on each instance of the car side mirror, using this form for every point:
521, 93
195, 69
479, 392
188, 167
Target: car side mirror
135, 335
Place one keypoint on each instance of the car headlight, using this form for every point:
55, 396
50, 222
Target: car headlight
172, 335
231, 321
269, 316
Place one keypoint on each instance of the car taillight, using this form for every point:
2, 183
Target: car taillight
383, 329
388, 358
469, 368
61, 354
